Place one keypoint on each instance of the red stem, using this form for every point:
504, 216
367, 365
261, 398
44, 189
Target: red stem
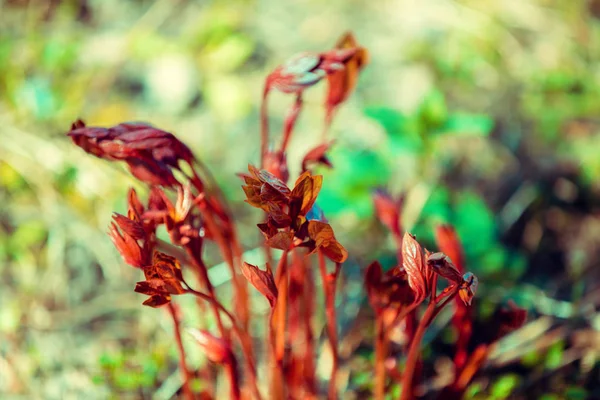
290, 121
309, 310
329, 286
244, 338
205, 281
185, 372
413, 352
381, 350
278, 324
264, 126
232, 373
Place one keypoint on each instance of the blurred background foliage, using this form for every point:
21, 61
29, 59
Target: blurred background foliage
484, 115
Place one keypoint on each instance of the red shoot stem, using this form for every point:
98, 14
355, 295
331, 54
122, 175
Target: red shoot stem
185, 372
264, 126
290, 121
329, 286
413, 352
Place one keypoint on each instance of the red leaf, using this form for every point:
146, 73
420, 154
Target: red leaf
157, 300
305, 193
388, 211
262, 280
449, 243
127, 246
468, 288
133, 228
281, 240
134, 203
442, 265
325, 240
274, 182
342, 82
412, 260
317, 155
269, 194
267, 229
216, 349
277, 217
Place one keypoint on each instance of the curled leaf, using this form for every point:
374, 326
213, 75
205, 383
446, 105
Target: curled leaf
414, 265
322, 234
449, 243
305, 193
282, 240
216, 349
318, 156
468, 288
342, 82
127, 246
387, 210
156, 289
263, 281
441, 264
133, 228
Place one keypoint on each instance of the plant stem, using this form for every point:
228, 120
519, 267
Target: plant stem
329, 286
244, 338
185, 372
290, 121
380, 354
205, 281
264, 126
278, 325
232, 373
413, 351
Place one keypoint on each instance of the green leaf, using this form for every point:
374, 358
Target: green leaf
348, 186
391, 120
471, 124
504, 386
433, 111
576, 393
554, 355
475, 224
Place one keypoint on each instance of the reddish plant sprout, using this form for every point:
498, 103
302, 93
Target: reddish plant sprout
343, 82
448, 241
287, 225
193, 212
305, 70
151, 154
163, 279
388, 290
